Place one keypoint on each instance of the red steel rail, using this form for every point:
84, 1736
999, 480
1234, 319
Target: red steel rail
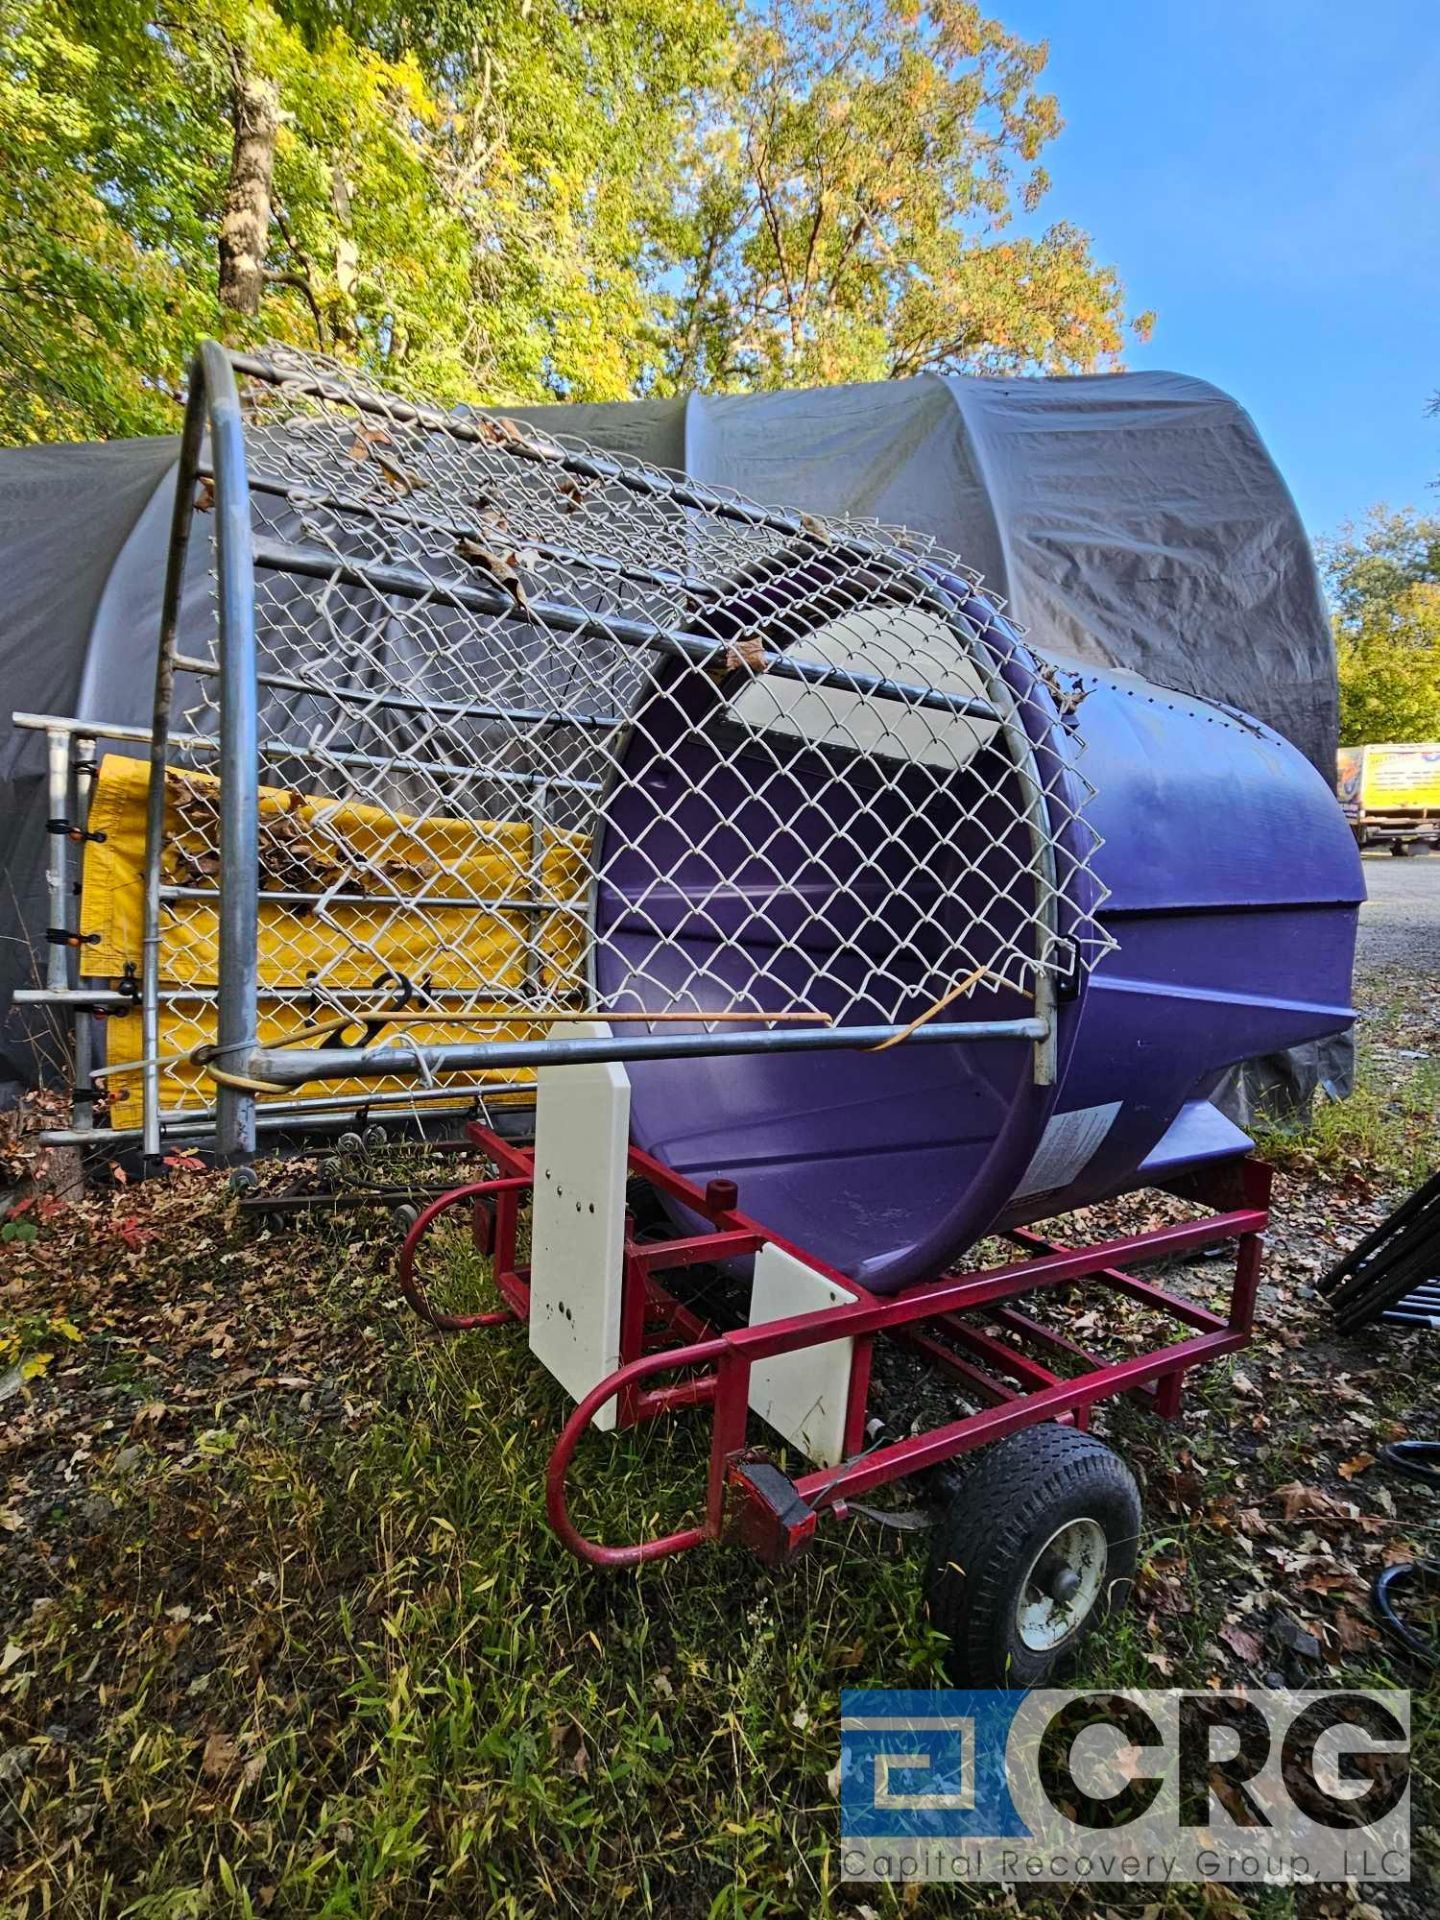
778, 1515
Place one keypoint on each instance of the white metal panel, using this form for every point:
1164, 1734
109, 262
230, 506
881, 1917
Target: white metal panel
909, 644
577, 1251
802, 1395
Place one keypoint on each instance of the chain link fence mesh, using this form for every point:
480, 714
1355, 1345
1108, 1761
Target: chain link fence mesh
543, 730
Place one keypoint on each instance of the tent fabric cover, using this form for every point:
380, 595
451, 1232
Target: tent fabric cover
1128, 520
68, 514
1131, 520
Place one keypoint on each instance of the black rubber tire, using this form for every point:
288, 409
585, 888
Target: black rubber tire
1016, 1496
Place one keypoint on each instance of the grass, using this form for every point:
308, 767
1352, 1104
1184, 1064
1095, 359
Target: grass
285, 1632
1386, 1129
387, 1686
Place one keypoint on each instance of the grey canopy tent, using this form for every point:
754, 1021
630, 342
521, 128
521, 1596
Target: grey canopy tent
1134, 520
1129, 520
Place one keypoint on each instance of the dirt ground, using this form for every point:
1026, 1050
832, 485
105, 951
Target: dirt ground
283, 1631
1400, 922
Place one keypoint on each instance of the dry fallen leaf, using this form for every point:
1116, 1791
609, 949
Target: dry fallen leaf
503, 568
1296, 1500
1352, 1632
220, 1757
1349, 1468
365, 439
1241, 1641
748, 652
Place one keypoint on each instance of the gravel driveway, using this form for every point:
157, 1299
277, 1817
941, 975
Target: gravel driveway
1400, 922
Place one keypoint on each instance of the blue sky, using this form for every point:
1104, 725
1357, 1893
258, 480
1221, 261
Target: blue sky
1266, 175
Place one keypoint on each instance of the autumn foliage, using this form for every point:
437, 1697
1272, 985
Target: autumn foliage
527, 199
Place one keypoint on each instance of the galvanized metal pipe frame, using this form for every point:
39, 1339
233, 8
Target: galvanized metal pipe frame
213, 405
382, 579
296, 1067
297, 494
586, 464
412, 703
69, 769
279, 749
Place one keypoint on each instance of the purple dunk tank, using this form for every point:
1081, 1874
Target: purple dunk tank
1233, 889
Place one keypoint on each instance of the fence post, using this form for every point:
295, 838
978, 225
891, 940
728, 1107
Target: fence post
238, 1000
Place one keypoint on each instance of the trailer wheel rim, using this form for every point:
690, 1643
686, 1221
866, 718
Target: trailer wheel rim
1061, 1585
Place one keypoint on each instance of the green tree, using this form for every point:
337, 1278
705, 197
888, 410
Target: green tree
468, 203
1383, 581
96, 309
518, 199
853, 202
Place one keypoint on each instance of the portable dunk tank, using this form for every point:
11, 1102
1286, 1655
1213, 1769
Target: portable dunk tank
797, 876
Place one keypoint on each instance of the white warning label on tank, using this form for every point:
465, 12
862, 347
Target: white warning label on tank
1066, 1146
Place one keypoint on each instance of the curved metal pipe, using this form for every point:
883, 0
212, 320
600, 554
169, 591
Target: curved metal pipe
212, 402
633, 1553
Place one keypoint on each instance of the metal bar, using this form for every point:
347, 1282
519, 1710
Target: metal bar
57, 959
909, 1456
732, 1410
83, 1109
574, 904
408, 582
539, 806
1037, 825
543, 450
669, 1315
985, 1384
300, 495
932, 1299
634, 1315
273, 749
314, 754
274, 1116
857, 1404
699, 1392
1143, 1291
347, 1200
659, 1256
412, 703
238, 1007
997, 1356
346, 1063
104, 730
1028, 1329
326, 996
158, 739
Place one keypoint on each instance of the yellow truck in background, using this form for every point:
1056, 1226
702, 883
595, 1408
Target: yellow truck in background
1390, 794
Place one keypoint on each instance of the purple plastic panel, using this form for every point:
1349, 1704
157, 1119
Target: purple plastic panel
1234, 882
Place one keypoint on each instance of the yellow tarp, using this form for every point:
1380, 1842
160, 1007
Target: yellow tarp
310, 846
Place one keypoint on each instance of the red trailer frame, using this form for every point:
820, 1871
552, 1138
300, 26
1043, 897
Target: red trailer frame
747, 1496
